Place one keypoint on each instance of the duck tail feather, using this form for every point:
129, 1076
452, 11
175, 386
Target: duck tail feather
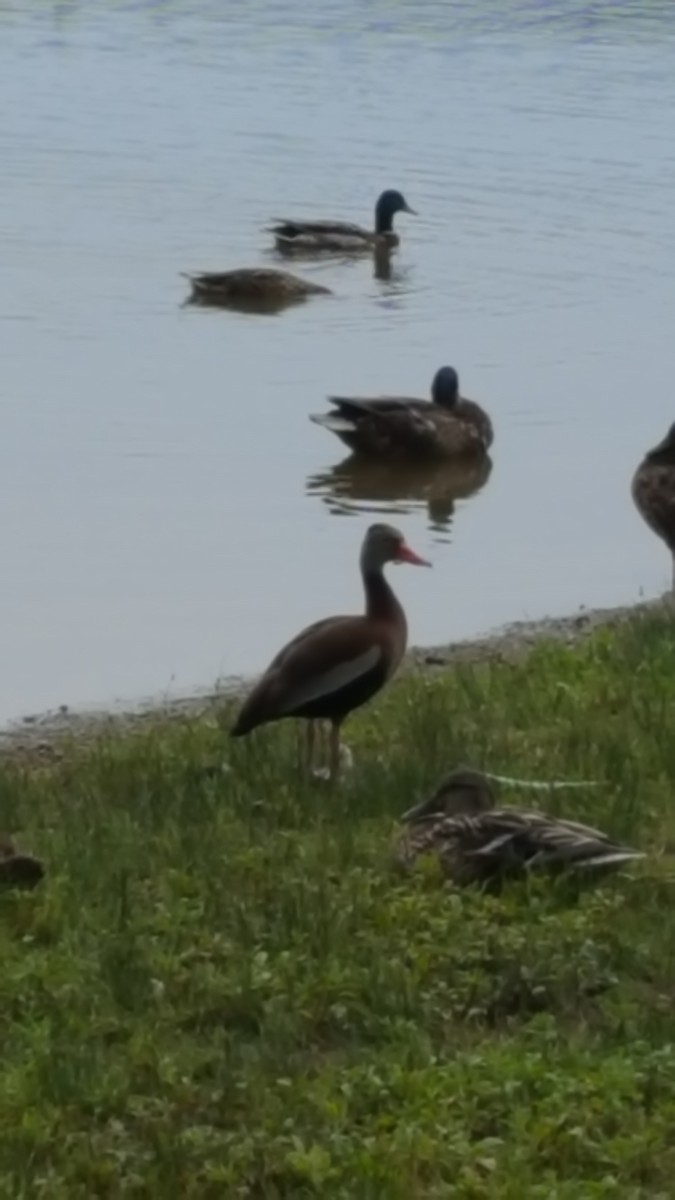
609, 858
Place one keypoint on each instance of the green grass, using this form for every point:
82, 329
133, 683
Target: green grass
222, 988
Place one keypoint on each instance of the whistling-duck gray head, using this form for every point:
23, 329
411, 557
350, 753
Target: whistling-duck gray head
383, 544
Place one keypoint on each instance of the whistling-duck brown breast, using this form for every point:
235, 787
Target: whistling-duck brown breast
339, 663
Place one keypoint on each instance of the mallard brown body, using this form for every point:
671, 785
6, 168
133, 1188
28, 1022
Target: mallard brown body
477, 843
447, 426
653, 491
254, 287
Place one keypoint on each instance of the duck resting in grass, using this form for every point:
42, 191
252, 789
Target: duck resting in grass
16, 868
653, 491
479, 843
342, 237
447, 426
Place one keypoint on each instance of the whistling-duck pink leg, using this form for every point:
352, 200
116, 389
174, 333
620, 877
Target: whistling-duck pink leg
311, 741
305, 747
334, 762
321, 771
325, 728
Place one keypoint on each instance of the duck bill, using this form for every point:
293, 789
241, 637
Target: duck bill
406, 554
413, 211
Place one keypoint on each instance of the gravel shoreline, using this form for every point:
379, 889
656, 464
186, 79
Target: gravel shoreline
38, 735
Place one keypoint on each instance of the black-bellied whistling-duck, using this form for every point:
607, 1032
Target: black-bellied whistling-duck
653, 490
477, 842
342, 237
447, 427
337, 664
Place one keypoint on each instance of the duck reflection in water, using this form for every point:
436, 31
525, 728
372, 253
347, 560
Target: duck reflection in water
358, 484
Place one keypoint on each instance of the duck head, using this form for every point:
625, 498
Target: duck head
445, 387
384, 544
462, 793
388, 205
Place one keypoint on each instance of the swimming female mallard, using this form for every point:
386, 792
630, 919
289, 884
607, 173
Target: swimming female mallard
448, 426
251, 288
478, 843
342, 237
653, 490
17, 869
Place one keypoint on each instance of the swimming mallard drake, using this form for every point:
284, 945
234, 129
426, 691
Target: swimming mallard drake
342, 237
17, 869
251, 288
653, 490
478, 843
447, 426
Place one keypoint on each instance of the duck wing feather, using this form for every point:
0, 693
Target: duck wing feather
323, 660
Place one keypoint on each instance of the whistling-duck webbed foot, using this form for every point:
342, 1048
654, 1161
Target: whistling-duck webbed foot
345, 763
321, 740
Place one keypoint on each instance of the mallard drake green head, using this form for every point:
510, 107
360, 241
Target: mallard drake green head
653, 491
445, 387
389, 203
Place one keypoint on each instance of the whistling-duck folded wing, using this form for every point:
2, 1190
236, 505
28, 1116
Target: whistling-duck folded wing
320, 669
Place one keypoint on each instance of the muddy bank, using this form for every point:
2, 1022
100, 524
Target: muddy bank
38, 736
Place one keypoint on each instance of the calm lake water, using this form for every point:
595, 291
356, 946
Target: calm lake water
170, 513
